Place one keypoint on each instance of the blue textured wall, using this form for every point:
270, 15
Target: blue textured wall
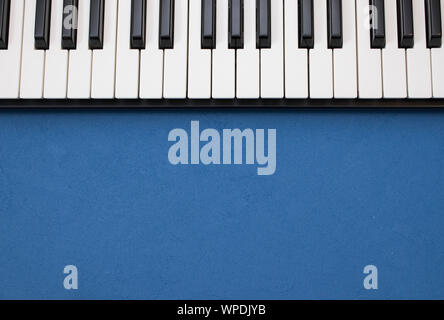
95, 189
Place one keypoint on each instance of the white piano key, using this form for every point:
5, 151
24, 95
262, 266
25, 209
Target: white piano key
272, 60
393, 58
175, 64
437, 57
151, 59
56, 64
369, 60
224, 72
199, 60
419, 74
296, 62
79, 71
248, 58
320, 68
33, 61
103, 62
127, 59
10, 59
344, 59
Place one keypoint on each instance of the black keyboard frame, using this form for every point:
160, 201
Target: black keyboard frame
216, 103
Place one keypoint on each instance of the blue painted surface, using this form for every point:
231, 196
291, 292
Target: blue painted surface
95, 189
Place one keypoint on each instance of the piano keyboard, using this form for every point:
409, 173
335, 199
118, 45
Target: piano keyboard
283, 50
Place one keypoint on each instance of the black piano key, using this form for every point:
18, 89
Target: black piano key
236, 24
263, 24
166, 24
334, 23
433, 23
377, 29
69, 26
305, 24
4, 23
405, 24
208, 24
138, 24
42, 24
96, 24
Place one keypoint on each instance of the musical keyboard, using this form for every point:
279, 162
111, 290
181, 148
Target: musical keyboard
221, 52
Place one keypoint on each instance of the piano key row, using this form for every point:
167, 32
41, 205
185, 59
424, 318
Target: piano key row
221, 49
235, 24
